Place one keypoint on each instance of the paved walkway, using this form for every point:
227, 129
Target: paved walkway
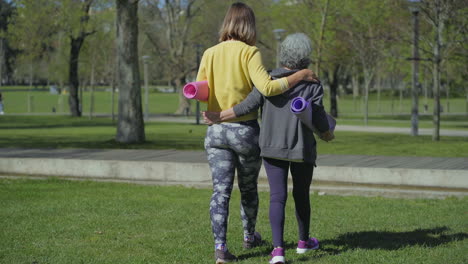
179, 156
422, 177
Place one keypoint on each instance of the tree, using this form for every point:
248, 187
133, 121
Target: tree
442, 14
77, 33
333, 70
31, 32
98, 53
167, 24
130, 126
336, 55
323, 24
37, 25
368, 34
7, 54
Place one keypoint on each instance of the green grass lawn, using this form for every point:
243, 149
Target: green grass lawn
68, 132
167, 103
59, 221
17, 102
454, 125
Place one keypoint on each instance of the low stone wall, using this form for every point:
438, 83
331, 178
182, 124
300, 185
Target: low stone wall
199, 173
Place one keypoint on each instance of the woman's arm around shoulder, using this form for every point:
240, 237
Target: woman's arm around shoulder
253, 101
268, 87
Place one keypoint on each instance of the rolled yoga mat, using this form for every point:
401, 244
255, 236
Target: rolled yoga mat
302, 109
197, 90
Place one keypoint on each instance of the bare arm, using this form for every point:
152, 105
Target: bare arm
218, 117
302, 75
268, 87
253, 101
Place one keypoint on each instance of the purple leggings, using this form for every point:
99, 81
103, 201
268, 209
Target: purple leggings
277, 172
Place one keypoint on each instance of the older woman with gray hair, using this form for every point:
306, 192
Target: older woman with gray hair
286, 143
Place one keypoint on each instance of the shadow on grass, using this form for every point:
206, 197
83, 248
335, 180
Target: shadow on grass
385, 240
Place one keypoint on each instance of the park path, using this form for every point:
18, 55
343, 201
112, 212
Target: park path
183, 156
354, 128
421, 177
407, 177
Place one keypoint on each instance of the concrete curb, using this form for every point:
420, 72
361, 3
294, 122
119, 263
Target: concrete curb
394, 182
394, 176
320, 188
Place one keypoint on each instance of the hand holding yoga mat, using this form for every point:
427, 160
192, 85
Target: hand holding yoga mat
197, 90
303, 110
331, 122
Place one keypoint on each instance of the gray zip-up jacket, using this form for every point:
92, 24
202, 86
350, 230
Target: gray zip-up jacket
282, 134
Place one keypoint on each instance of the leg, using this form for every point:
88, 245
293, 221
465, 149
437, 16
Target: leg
302, 178
247, 173
242, 138
277, 172
222, 164
247, 178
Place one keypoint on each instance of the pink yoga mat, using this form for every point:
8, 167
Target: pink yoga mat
197, 90
303, 110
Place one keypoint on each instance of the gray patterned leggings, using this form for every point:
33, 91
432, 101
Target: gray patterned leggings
230, 146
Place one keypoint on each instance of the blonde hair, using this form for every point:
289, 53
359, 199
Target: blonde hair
239, 24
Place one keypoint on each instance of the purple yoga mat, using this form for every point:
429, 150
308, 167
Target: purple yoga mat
302, 109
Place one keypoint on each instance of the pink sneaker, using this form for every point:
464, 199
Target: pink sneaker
277, 256
304, 246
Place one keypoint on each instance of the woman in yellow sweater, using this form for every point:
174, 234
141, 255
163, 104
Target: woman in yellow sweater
232, 68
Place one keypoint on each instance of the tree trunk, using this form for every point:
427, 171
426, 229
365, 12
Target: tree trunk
466, 102
402, 86
368, 76
31, 75
2, 56
439, 25
322, 31
73, 100
91, 98
426, 105
184, 103
379, 87
447, 89
436, 76
415, 78
333, 81
113, 84
130, 125
355, 83
75, 46
366, 100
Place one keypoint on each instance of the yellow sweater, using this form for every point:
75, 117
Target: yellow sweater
232, 68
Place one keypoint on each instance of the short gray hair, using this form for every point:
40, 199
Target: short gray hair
295, 51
